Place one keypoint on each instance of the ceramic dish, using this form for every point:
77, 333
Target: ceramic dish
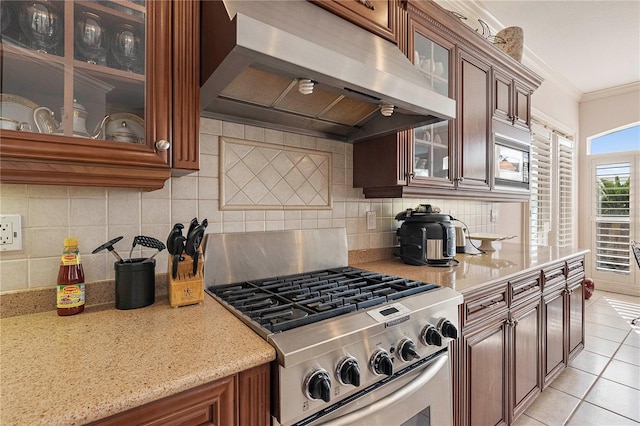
17, 108
114, 124
488, 239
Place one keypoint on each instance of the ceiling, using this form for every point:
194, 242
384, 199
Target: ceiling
594, 45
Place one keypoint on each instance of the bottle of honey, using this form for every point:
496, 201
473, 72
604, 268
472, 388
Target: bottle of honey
70, 289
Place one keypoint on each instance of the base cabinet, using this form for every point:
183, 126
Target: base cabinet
563, 332
484, 352
242, 399
524, 371
516, 338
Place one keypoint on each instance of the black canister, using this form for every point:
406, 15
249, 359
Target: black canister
135, 283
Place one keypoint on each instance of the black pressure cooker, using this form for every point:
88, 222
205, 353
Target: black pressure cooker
426, 238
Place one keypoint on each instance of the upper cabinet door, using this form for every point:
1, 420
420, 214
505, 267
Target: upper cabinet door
87, 92
473, 122
432, 149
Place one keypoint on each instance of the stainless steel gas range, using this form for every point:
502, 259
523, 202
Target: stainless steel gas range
354, 347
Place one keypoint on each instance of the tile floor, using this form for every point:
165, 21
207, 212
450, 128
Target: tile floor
601, 386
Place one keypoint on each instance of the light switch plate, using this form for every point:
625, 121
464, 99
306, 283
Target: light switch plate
371, 220
10, 232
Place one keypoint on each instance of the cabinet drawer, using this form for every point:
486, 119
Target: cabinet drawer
575, 266
484, 303
575, 281
553, 276
524, 288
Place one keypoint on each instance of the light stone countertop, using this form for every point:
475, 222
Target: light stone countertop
72, 370
477, 271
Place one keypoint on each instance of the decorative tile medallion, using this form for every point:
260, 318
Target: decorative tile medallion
255, 175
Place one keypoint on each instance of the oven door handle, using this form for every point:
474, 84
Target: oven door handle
388, 400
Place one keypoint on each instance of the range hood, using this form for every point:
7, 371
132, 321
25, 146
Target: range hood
256, 54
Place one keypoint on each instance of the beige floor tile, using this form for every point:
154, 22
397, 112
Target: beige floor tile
590, 362
574, 382
624, 373
552, 407
591, 415
622, 298
616, 321
615, 397
605, 331
633, 339
601, 308
629, 354
525, 420
600, 346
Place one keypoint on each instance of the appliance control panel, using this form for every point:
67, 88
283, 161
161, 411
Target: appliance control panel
401, 338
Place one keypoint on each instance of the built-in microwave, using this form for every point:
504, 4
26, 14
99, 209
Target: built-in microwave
511, 163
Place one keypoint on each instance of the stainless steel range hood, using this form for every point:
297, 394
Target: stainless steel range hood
255, 52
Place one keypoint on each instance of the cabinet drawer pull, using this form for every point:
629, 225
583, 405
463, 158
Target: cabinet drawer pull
512, 322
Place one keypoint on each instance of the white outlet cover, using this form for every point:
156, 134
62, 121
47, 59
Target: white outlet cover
10, 232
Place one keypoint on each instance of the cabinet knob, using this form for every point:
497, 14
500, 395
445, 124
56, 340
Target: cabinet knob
162, 145
460, 179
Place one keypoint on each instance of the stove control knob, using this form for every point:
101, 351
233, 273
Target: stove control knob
407, 350
381, 363
447, 329
348, 372
318, 385
430, 336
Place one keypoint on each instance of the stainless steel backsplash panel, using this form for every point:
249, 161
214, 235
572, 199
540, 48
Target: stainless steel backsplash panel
236, 257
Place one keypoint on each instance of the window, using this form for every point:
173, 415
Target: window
620, 140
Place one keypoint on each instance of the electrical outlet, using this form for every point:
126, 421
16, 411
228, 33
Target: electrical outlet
494, 215
10, 232
371, 220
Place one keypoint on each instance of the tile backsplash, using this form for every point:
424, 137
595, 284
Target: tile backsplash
97, 215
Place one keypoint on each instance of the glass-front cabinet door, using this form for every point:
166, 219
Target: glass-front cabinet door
74, 68
432, 151
75, 77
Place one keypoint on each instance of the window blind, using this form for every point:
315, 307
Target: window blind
612, 225
566, 218
540, 185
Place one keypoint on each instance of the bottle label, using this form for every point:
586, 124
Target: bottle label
70, 296
70, 259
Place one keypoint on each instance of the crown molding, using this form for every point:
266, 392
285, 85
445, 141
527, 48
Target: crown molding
474, 10
611, 91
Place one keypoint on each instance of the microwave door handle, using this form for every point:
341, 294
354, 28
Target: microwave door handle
393, 398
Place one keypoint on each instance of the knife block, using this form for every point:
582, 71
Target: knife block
186, 288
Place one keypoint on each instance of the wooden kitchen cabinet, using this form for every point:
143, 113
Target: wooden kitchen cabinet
563, 324
501, 349
422, 158
511, 100
484, 398
156, 97
473, 125
242, 400
452, 159
378, 16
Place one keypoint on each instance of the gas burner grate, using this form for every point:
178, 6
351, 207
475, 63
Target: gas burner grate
283, 303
